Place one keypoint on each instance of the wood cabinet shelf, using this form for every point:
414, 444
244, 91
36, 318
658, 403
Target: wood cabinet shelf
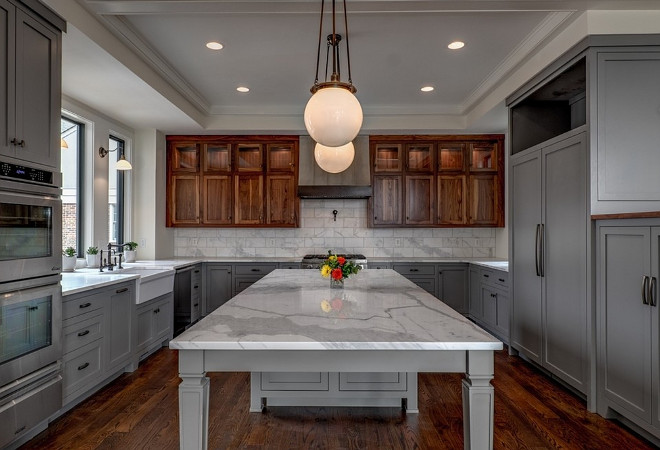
232, 181
446, 181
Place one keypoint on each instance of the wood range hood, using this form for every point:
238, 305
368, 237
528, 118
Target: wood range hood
353, 183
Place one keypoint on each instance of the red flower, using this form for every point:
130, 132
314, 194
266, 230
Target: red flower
337, 274
341, 260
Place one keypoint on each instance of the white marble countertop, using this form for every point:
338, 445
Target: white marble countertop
297, 310
86, 280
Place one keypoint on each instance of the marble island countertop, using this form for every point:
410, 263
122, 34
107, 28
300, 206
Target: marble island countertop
297, 310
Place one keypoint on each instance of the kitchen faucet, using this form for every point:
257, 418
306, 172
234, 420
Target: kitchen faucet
108, 264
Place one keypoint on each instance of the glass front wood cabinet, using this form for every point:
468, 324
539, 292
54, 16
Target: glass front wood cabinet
232, 181
437, 181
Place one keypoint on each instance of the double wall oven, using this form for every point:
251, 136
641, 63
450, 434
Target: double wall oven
30, 298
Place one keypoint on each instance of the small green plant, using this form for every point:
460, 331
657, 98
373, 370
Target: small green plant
93, 251
69, 251
131, 245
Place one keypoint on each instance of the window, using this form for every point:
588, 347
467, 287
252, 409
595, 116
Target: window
115, 192
71, 134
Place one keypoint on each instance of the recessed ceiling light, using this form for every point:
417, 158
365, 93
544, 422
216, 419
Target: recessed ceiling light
214, 45
427, 89
243, 89
456, 45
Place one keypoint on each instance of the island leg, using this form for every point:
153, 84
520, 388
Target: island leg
193, 401
478, 400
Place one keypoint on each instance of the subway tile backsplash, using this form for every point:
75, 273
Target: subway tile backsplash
319, 232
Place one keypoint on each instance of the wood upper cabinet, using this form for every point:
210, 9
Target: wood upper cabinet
183, 200
387, 200
420, 157
441, 181
452, 204
248, 199
217, 199
281, 199
224, 181
420, 197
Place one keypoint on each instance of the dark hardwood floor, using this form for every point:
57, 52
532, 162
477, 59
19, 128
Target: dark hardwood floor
140, 411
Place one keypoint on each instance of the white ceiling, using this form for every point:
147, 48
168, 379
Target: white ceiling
144, 62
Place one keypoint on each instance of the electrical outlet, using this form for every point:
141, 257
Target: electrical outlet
143, 242
271, 242
397, 242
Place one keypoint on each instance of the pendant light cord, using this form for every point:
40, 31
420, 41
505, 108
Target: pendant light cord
318, 50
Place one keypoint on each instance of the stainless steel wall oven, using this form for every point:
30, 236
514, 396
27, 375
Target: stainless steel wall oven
30, 298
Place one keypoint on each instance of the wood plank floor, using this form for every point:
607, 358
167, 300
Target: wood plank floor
140, 411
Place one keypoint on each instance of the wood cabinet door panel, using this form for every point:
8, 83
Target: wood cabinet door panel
484, 156
217, 198
184, 200
484, 199
280, 158
249, 157
451, 157
387, 200
420, 157
280, 199
452, 194
217, 157
184, 157
420, 203
248, 199
387, 157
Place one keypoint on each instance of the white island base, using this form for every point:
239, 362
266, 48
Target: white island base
360, 389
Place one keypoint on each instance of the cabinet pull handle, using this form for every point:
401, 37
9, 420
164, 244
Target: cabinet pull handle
119, 291
20, 143
645, 299
493, 295
196, 271
440, 273
84, 366
652, 292
21, 429
501, 280
195, 287
256, 270
83, 333
486, 275
33, 308
196, 305
414, 270
542, 254
156, 311
536, 249
85, 305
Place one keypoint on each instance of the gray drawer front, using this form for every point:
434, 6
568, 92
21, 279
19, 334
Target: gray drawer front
254, 269
379, 266
197, 274
289, 265
294, 381
81, 333
415, 269
82, 305
372, 381
501, 278
82, 368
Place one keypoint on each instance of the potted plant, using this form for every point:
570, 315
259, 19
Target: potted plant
129, 252
68, 259
92, 257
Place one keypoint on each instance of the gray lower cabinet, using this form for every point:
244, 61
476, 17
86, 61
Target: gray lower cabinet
217, 286
393, 389
452, 286
628, 321
550, 229
422, 274
247, 274
489, 300
154, 324
98, 337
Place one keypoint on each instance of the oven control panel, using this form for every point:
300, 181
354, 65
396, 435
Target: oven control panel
18, 172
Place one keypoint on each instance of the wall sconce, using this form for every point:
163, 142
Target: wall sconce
122, 163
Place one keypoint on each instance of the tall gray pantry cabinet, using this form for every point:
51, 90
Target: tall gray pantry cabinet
550, 222
628, 322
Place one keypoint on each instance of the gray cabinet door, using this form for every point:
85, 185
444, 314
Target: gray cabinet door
37, 91
7, 74
119, 330
655, 330
218, 289
475, 294
628, 133
565, 226
625, 347
453, 286
526, 327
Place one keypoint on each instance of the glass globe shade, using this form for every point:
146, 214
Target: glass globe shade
333, 116
334, 159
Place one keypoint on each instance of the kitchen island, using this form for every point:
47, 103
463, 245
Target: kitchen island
385, 324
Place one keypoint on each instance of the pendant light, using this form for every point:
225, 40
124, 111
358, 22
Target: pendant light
333, 115
334, 159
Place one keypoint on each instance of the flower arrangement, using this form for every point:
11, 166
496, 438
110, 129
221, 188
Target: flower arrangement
337, 269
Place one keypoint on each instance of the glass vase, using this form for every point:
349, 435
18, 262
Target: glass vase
336, 284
